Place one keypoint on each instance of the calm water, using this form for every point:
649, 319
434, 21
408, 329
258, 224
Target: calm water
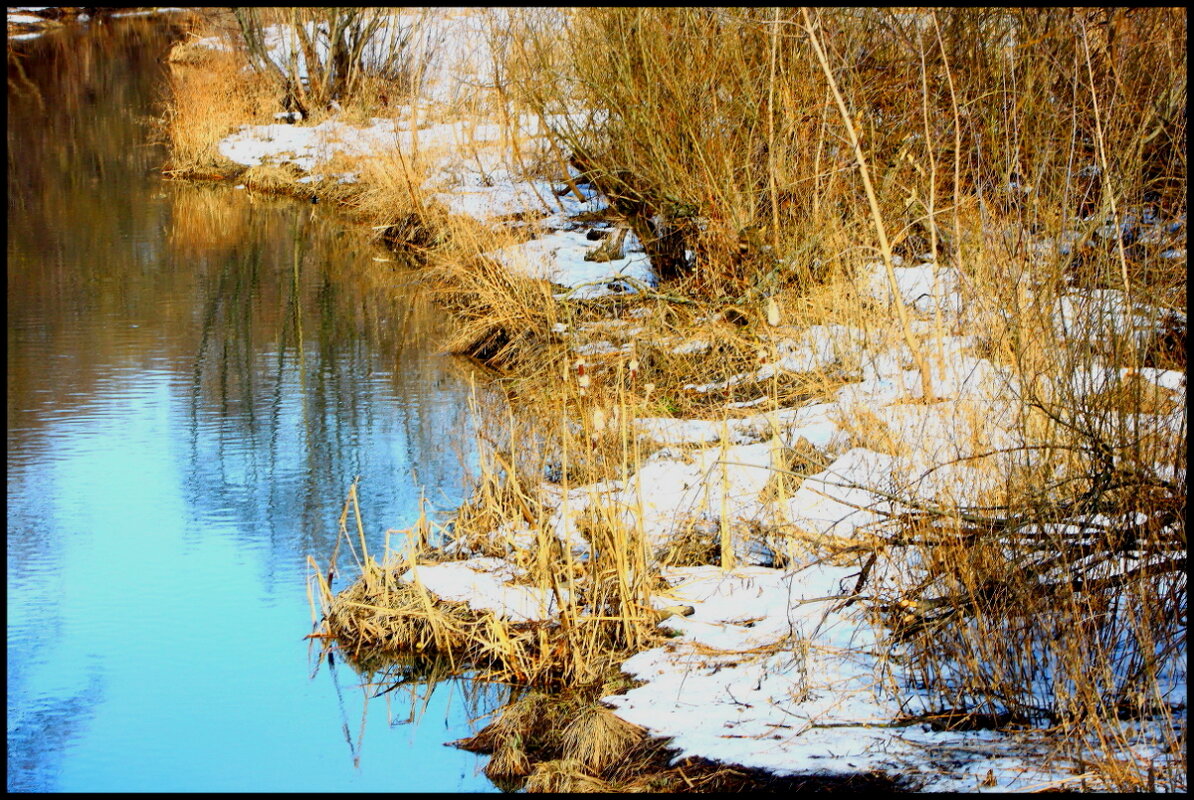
195, 377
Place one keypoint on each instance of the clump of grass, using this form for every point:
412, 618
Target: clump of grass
208, 95
379, 612
505, 320
694, 544
272, 178
565, 775
526, 729
597, 739
509, 761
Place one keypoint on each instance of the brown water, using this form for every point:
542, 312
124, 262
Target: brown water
195, 378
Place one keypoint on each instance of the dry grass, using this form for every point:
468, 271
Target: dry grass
209, 95
763, 158
741, 163
598, 739
565, 775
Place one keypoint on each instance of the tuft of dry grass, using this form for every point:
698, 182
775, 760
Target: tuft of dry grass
565, 775
597, 739
208, 96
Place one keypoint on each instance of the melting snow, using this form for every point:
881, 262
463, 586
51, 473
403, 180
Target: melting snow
771, 670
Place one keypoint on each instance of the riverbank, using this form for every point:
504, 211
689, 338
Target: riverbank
30, 22
852, 475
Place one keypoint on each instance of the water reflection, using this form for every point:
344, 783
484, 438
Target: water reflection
195, 378
37, 739
410, 691
287, 382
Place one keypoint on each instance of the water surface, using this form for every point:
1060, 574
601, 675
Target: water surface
195, 378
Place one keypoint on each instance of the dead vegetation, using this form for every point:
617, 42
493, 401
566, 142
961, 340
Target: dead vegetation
764, 158
566, 743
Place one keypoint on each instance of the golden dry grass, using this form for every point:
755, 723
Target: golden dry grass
597, 739
730, 142
209, 95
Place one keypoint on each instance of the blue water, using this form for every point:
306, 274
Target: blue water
195, 379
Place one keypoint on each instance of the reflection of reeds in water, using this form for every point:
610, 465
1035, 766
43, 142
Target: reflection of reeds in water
406, 686
297, 326
205, 220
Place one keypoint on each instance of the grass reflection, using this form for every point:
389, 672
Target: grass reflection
309, 369
169, 341
405, 686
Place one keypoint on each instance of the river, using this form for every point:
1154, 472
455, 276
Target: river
196, 376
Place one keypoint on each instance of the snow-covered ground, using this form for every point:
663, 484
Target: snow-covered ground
771, 670
469, 167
